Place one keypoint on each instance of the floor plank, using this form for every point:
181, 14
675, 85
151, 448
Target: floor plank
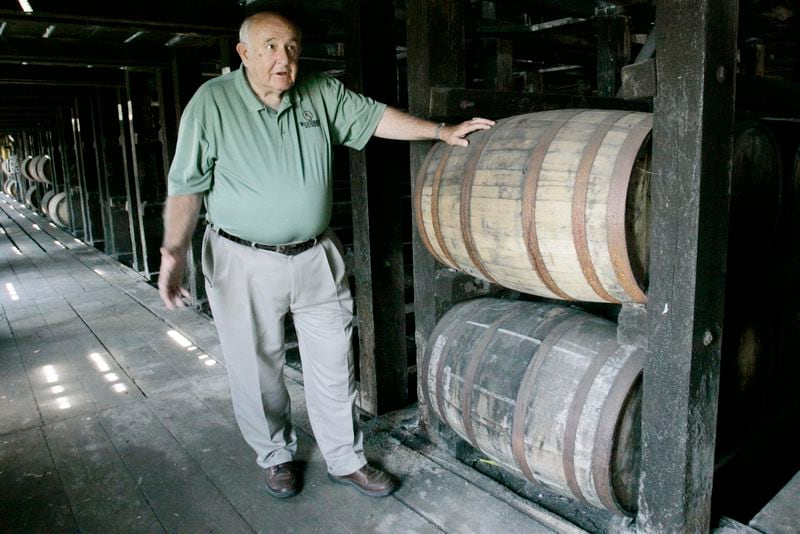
103, 494
18, 409
33, 499
182, 496
780, 516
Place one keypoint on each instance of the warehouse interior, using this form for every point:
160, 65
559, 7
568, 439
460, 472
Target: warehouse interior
696, 336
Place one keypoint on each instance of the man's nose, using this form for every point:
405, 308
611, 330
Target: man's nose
282, 55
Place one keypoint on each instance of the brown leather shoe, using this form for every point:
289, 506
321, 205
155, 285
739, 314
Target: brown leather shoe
281, 480
367, 480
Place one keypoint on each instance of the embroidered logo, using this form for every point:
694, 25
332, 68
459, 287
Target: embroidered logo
310, 121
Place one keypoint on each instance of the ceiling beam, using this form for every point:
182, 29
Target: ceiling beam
47, 52
146, 21
36, 75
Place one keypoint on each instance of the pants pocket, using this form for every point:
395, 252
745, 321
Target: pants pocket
334, 255
207, 258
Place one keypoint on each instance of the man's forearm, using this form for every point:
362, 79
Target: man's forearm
180, 220
396, 124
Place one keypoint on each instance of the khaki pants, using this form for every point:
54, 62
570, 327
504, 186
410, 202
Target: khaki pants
250, 292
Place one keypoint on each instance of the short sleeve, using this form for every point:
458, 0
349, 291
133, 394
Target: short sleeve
354, 117
192, 168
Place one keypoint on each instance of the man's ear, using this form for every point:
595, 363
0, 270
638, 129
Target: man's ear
241, 49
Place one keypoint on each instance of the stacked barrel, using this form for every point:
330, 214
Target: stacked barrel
552, 204
38, 191
38, 171
8, 175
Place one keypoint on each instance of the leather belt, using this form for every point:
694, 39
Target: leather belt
291, 249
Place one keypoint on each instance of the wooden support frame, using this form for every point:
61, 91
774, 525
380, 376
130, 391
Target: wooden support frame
613, 51
458, 102
128, 162
682, 324
435, 31
98, 142
693, 129
80, 170
377, 217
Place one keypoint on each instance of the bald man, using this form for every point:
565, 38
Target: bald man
256, 146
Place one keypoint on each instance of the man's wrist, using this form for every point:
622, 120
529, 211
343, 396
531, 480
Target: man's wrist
437, 134
173, 251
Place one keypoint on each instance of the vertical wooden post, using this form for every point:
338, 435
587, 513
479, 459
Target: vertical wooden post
80, 170
129, 164
692, 133
613, 51
377, 215
98, 143
435, 34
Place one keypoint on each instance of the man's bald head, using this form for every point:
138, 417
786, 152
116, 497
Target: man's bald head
264, 17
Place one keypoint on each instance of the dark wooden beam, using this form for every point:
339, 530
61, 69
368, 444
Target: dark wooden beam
692, 134
51, 52
435, 30
460, 103
163, 17
582, 7
32, 77
377, 216
638, 80
613, 51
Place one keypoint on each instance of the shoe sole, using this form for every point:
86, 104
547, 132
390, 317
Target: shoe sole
360, 489
281, 494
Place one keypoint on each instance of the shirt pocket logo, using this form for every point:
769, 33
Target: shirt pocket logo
310, 121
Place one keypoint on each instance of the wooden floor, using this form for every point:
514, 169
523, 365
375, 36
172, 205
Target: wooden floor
115, 416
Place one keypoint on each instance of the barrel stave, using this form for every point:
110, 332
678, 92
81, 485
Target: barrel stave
497, 228
597, 228
556, 382
513, 347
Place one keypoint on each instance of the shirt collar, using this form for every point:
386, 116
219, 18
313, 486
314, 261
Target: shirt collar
251, 101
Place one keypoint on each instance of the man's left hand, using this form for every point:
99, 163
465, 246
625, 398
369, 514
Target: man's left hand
456, 134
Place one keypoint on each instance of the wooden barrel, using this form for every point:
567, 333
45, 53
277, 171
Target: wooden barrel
45, 202
58, 210
551, 203
756, 199
25, 169
748, 370
10, 187
6, 167
43, 170
792, 202
33, 197
543, 390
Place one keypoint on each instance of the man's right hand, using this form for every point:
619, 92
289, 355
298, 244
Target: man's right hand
170, 275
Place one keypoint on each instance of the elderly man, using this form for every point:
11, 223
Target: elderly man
256, 145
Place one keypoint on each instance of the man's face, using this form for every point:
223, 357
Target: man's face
270, 55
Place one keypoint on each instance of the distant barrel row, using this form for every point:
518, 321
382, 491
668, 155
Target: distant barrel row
52, 204
5, 167
37, 169
34, 168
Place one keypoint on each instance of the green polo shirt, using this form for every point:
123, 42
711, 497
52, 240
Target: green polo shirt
267, 175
